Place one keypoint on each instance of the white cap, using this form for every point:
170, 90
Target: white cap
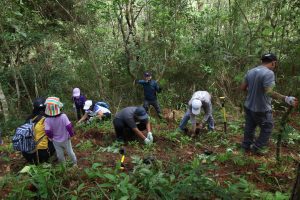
196, 106
87, 104
76, 92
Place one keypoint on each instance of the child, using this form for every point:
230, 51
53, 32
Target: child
59, 129
78, 99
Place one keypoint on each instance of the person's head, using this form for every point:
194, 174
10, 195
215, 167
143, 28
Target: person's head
76, 92
269, 60
53, 106
196, 106
87, 105
141, 114
39, 106
147, 76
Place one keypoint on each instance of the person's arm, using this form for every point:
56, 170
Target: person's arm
48, 131
70, 130
148, 127
100, 114
244, 86
83, 98
139, 133
141, 82
270, 92
287, 99
131, 123
157, 88
83, 118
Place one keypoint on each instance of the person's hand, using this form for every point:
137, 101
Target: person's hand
147, 141
150, 136
292, 101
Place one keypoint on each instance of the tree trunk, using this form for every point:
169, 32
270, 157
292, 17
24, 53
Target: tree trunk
4, 104
12, 65
35, 84
296, 189
25, 86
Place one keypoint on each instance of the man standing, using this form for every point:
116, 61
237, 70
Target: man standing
151, 89
259, 83
198, 100
133, 121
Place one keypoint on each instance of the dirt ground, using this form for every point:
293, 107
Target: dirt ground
167, 150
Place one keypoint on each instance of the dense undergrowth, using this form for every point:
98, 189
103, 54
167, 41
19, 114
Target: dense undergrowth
176, 166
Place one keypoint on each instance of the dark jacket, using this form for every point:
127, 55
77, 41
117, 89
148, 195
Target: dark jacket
150, 89
79, 102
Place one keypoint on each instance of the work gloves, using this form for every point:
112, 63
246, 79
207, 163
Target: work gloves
290, 100
149, 138
147, 141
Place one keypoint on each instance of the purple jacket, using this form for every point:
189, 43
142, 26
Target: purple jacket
79, 102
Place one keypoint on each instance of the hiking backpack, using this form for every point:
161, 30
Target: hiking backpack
102, 104
24, 140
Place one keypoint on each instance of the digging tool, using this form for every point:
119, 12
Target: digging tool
224, 114
283, 122
122, 152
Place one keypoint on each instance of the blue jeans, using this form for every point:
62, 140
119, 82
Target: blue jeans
210, 120
253, 119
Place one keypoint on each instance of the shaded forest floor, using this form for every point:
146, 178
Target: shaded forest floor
217, 152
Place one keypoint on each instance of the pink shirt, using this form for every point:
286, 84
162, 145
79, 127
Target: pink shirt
57, 125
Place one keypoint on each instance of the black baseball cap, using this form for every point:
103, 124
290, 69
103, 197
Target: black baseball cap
39, 102
268, 57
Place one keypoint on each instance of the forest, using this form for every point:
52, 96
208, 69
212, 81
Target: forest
103, 47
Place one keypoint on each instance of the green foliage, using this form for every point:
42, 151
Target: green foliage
113, 148
84, 145
187, 45
155, 181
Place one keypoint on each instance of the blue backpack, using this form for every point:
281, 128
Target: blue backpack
102, 104
24, 140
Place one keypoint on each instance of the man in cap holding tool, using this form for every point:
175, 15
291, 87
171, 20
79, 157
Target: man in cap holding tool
259, 83
198, 100
133, 120
151, 89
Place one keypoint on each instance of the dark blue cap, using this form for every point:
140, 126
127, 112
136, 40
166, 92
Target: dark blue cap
141, 113
147, 74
